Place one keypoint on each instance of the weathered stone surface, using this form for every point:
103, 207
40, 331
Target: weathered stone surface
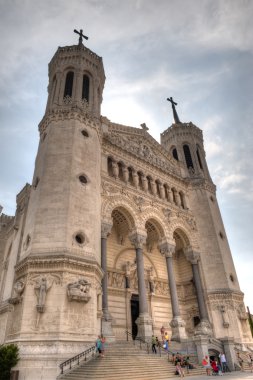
96, 179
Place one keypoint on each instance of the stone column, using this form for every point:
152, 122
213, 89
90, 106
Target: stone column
106, 318
115, 169
177, 324
201, 343
135, 178
144, 321
185, 202
125, 174
144, 182
77, 87
204, 327
169, 192
177, 199
153, 186
229, 351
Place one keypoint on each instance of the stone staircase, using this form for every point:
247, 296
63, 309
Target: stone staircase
125, 361
245, 358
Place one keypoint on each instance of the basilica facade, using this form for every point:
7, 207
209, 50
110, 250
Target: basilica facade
117, 234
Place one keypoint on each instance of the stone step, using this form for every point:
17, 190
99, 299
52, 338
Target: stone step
125, 361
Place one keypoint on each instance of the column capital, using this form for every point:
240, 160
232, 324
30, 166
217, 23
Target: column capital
167, 248
137, 238
192, 255
106, 226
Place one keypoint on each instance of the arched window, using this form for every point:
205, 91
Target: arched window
199, 159
86, 88
69, 84
109, 166
149, 185
188, 157
130, 180
140, 181
174, 154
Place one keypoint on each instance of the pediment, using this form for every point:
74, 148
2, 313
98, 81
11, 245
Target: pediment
139, 143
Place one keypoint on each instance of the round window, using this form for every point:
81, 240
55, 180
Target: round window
79, 238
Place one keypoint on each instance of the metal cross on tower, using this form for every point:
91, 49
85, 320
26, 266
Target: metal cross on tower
81, 36
176, 118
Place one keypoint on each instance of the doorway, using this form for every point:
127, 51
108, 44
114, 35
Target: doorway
134, 313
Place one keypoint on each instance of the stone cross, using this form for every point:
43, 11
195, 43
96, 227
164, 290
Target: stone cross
81, 36
176, 118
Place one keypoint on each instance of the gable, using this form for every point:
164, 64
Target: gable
140, 144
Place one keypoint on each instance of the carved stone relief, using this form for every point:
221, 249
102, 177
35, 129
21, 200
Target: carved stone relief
79, 291
42, 284
18, 290
136, 146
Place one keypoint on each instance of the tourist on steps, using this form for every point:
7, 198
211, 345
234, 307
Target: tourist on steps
99, 346
153, 341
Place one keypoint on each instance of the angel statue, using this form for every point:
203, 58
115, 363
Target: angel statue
41, 289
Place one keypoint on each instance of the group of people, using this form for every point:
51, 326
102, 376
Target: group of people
182, 362
214, 366
164, 343
100, 346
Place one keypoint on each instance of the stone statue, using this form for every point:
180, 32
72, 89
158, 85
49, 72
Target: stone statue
79, 291
41, 289
18, 289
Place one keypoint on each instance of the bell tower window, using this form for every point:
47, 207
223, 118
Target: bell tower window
188, 157
86, 88
174, 154
69, 84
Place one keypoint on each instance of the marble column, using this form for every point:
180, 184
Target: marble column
144, 322
204, 327
106, 318
177, 323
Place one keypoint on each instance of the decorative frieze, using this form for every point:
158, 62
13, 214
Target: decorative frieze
136, 146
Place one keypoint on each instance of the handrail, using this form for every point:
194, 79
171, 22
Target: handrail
77, 357
142, 341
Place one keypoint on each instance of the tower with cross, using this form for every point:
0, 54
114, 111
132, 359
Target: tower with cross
176, 118
116, 232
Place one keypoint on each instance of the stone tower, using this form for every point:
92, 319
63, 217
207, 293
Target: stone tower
184, 141
57, 283
116, 233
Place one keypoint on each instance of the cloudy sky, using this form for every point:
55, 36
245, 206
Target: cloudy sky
198, 51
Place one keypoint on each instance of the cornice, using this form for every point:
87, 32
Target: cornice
74, 112
182, 129
61, 262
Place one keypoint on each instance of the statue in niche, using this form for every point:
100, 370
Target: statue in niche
79, 291
41, 288
224, 314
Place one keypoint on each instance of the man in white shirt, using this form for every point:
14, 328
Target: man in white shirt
223, 362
